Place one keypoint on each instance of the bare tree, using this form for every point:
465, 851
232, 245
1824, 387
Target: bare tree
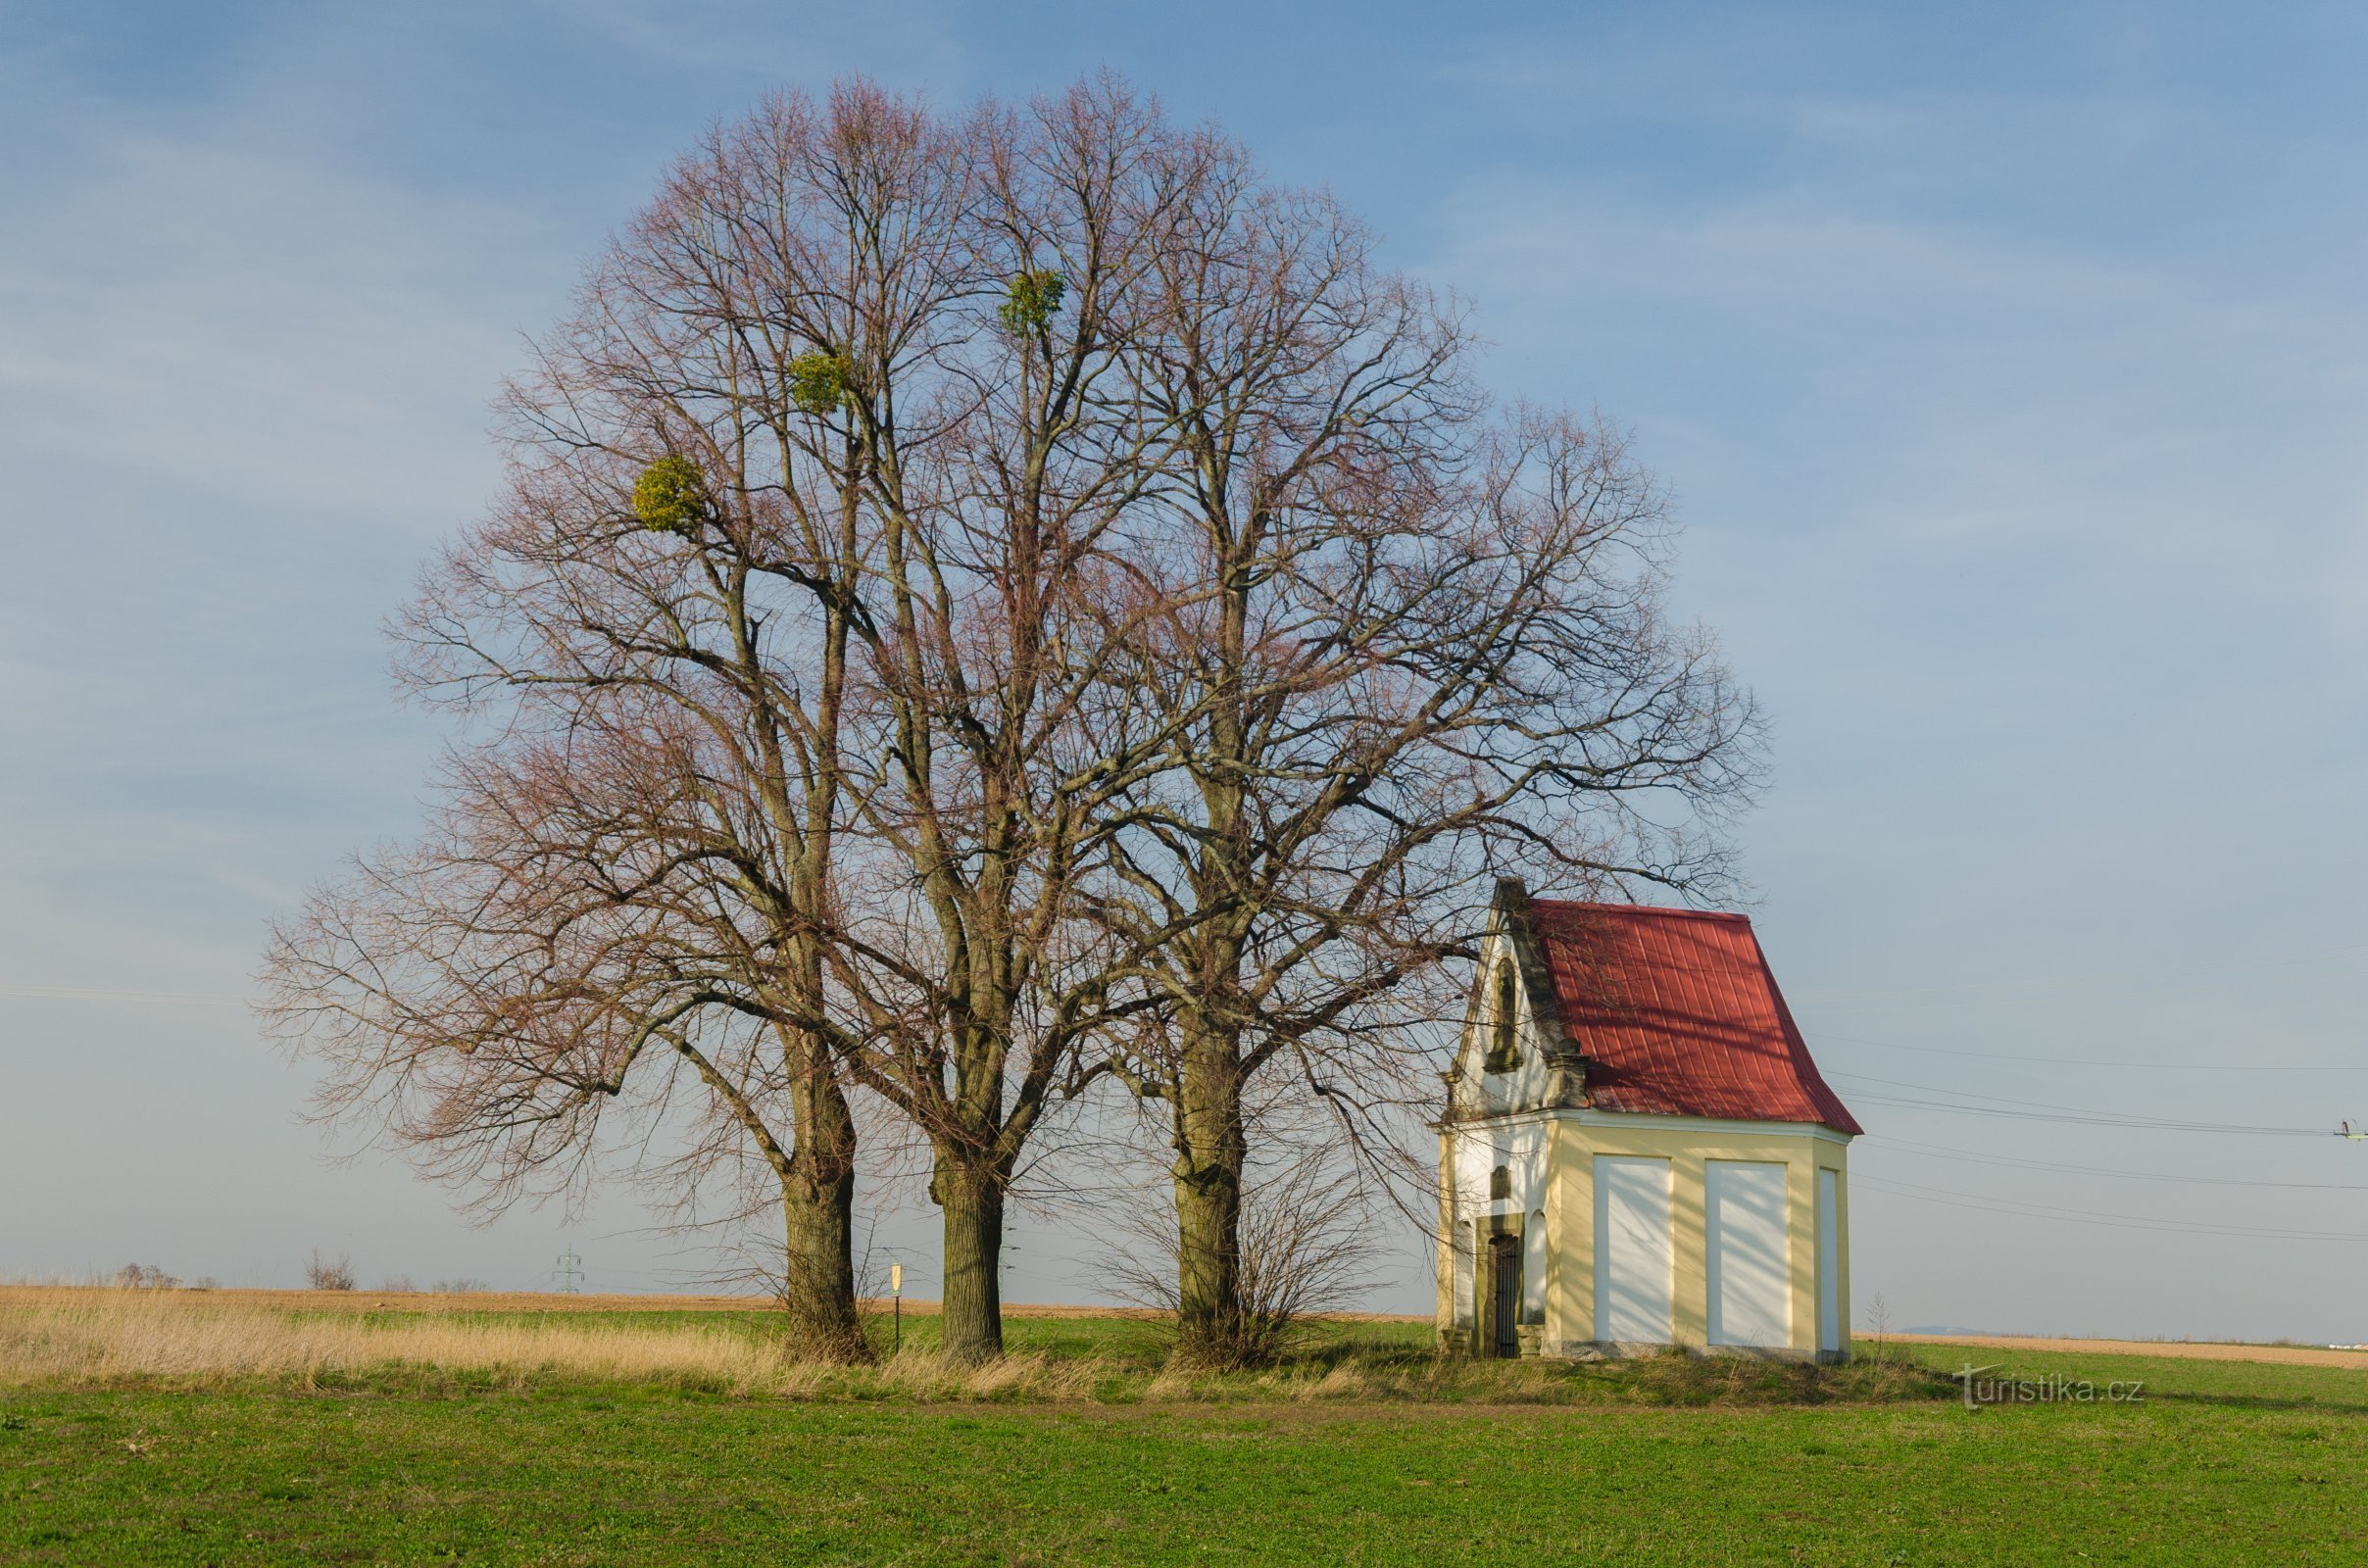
1306, 1233
623, 906
794, 640
979, 604
1405, 645
1004, 735
324, 1273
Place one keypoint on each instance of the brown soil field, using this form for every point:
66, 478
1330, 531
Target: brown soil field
560, 1301
2181, 1349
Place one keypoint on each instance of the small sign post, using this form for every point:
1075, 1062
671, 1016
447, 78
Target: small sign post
896, 1292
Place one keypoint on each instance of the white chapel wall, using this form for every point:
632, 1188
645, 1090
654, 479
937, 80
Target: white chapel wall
1481, 1150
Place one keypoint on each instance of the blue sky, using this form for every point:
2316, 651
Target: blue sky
2005, 361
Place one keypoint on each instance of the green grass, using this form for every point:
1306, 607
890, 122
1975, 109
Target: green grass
2223, 1462
2249, 1386
1135, 1343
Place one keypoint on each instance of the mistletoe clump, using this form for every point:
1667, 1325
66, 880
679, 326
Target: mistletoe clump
671, 495
1032, 301
817, 382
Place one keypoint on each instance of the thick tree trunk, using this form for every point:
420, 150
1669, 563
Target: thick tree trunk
817, 1210
970, 1328
1211, 1149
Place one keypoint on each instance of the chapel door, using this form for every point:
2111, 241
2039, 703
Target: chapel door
1505, 1273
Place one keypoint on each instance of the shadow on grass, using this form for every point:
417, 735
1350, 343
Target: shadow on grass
2267, 1386
2304, 1402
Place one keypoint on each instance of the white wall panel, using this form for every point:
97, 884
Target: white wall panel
1749, 1256
1632, 1259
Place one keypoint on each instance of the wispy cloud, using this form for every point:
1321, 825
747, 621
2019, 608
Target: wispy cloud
2007, 363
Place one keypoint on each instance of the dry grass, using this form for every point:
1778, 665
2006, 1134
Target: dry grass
66, 1338
400, 1300
83, 1338
52, 1338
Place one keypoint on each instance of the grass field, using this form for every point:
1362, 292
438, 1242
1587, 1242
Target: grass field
551, 1443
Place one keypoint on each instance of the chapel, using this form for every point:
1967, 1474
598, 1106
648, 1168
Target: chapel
1637, 1151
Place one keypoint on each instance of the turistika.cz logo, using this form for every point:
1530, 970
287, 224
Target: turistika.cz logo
2047, 1389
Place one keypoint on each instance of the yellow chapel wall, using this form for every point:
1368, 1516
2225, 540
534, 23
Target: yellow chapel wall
1574, 1141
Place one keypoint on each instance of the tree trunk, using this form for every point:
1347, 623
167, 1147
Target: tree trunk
1212, 1147
970, 1327
817, 1210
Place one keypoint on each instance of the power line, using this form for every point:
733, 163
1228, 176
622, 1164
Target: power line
1945, 1151
2092, 976
2089, 1062
2042, 1111
2085, 1121
97, 993
2144, 1222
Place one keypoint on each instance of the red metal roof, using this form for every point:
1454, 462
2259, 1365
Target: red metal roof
1677, 1015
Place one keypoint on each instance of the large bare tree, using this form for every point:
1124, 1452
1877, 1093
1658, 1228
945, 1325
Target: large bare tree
1004, 735
625, 904
1406, 646
982, 602
794, 636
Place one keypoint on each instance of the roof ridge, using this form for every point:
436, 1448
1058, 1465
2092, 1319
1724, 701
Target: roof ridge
1672, 910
